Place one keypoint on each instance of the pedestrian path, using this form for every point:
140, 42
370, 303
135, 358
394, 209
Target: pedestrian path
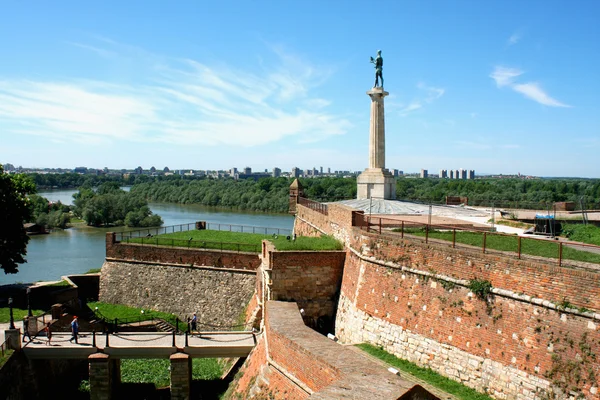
142, 345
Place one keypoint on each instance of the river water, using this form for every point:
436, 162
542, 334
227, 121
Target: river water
77, 250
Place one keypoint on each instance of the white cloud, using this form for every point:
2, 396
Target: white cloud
514, 39
98, 51
186, 103
504, 76
533, 91
431, 94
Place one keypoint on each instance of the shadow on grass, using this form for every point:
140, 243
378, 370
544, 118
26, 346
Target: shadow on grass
142, 391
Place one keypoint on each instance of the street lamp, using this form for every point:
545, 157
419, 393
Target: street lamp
29, 313
12, 320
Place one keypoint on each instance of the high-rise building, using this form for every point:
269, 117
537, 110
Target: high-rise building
471, 174
451, 174
233, 171
443, 173
247, 171
423, 173
296, 172
456, 174
463, 173
276, 172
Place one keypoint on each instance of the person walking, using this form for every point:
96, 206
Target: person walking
26, 328
194, 322
74, 329
48, 334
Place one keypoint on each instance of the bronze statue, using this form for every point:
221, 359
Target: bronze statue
378, 61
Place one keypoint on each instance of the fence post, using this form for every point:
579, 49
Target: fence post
484, 240
426, 233
402, 232
560, 250
186, 338
380, 225
107, 334
173, 338
454, 238
519, 247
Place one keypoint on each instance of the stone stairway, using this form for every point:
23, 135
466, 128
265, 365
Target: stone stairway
164, 326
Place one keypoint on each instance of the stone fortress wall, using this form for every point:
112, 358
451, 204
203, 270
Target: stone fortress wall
216, 285
413, 299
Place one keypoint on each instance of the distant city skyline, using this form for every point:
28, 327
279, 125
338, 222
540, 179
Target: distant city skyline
493, 86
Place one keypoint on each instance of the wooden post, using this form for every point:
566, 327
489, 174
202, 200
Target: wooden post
560, 251
454, 238
484, 240
402, 235
426, 233
380, 225
519, 247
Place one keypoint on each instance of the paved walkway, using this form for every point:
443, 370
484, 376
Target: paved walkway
143, 345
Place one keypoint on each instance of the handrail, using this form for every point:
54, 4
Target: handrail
314, 205
403, 228
199, 244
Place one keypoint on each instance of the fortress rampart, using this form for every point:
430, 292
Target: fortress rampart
536, 333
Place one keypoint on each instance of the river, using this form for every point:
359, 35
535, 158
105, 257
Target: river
79, 249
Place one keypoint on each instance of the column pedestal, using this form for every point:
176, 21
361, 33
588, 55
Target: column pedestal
181, 376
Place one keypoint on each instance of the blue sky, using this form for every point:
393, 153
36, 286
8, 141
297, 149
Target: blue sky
495, 86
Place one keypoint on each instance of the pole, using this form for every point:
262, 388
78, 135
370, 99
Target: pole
12, 320
560, 251
484, 240
29, 313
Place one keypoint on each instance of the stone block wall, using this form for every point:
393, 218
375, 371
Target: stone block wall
218, 295
179, 255
505, 345
312, 279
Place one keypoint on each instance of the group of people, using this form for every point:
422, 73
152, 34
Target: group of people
48, 332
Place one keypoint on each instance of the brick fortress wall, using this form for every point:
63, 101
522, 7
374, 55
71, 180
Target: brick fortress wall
292, 361
412, 299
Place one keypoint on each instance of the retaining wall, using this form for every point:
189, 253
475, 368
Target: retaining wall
218, 295
179, 255
412, 298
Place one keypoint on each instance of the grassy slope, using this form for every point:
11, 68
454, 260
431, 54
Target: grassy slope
426, 374
18, 315
238, 241
112, 311
542, 248
582, 233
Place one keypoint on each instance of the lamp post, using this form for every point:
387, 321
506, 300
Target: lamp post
29, 313
12, 320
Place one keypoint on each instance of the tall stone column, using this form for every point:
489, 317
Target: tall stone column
377, 129
376, 181
181, 376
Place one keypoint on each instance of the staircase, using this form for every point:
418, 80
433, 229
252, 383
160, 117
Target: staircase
163, 326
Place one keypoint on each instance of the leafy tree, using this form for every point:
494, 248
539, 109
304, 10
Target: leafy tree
14, 211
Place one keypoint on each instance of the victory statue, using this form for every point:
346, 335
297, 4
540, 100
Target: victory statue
378, 61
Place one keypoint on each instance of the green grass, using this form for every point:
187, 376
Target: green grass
534, 247
132, 314
582, 233
18, 315
433, 378
238, 241
94, 271
156, 371
62, 283
4, 358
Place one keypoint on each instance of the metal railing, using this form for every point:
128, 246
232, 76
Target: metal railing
196, 244
314, 205
563, 252
122, 236
214, 226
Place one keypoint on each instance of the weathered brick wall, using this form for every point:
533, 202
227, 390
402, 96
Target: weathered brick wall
511, 348
179, 255
218, 295
337, 222
539, 279
291, 361
312, 279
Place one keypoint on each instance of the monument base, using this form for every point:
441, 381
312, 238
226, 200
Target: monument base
376, 183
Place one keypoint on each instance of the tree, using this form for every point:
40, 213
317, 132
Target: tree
14, 211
